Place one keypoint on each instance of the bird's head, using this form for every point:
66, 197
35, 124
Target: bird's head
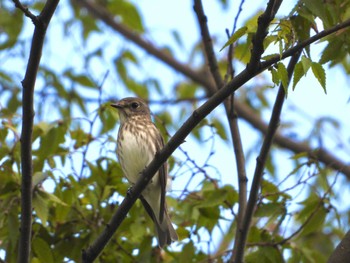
132, 107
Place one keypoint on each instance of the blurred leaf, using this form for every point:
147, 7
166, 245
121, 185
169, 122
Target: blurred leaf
333, 51
235, 36
42, 250
128, 14
81, 79
81, 138
298, 73
264, 254
11, 25
283, 76
109, 117
320, 74
52, 197
41, 207
39, 177
269, 210
50, 141
220, 129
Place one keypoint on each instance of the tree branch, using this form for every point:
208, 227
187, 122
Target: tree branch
230, 111
258, 39
261, 160
242, 110
198, 115
28, 83
341, 253
26, 11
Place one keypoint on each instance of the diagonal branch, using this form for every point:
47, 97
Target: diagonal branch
342, 251
242, 110
197, 116
28, 84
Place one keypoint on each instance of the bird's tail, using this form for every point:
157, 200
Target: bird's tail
165, 231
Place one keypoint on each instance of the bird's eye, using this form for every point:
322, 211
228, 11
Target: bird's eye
135, 105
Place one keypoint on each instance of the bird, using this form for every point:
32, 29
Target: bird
138, 142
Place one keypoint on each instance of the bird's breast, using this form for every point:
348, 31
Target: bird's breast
135, 152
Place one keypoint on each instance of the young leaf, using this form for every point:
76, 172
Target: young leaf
298, 73
283, 75
320, 74
236, 35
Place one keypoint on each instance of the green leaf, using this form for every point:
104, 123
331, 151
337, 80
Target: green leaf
188, 252
269, 210
320, 74
81, 79
81, 138
333, 50
298, 73
306, 63
12, 227
283, 75
236, 35
52, 197
39, 177
41, 207
42, 250
220, 129
49, 142
11, 25
213, 198
128, 14
274, 74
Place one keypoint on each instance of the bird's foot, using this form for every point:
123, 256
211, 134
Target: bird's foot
129, 191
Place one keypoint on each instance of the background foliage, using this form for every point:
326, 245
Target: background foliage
77, 181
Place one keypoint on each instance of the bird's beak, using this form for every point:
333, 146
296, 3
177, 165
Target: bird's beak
117, 105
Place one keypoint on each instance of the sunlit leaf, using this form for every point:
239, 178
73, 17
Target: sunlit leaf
320, 74
283, 75
41, 207
235, 36
298, 73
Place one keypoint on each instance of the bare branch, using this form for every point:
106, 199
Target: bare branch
28, 84
230, 113
342, 251
26, 11
207, 42
258, 40
229, 107
260, 166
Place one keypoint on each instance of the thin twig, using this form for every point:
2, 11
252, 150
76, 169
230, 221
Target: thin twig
26, 11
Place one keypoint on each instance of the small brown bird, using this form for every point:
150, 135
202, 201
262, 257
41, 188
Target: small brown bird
138, 142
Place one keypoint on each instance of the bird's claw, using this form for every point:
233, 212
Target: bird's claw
129, 191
